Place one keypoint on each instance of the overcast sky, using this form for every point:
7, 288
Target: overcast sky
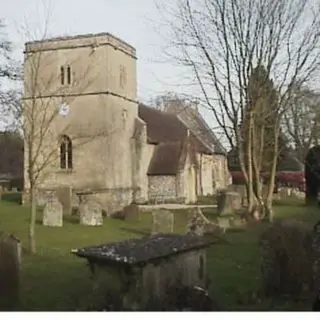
132, 21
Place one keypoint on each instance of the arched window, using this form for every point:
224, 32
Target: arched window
65, 153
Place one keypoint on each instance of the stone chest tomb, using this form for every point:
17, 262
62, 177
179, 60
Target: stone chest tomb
137, 274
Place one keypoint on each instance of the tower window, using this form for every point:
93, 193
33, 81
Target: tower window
69, 75
62, 75
65, 153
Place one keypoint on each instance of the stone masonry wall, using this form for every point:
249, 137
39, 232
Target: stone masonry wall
162, 187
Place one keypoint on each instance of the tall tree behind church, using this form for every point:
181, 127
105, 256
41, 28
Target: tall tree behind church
263, 107
261, 116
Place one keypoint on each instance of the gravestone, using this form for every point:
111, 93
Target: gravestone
10, 262
53, 213
130, 212
163, 221
241, 189
90, 213
64, 195
200, 225
228, 202
196, 222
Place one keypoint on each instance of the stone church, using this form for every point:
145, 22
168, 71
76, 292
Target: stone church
94, 137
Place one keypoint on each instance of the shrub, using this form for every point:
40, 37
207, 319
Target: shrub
286, 257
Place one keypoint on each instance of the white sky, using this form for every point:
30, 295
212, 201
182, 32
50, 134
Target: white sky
132, 21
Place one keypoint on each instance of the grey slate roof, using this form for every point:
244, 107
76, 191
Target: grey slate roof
139, 251
196, 124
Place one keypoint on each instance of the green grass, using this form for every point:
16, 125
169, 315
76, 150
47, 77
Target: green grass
54, 279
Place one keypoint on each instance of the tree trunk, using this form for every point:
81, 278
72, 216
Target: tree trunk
272, 177
251, 197
32, 222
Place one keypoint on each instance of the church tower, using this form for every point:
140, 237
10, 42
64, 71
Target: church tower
80, 106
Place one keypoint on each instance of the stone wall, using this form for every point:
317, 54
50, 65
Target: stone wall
221, 175
162, 187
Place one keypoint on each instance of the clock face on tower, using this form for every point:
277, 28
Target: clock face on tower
64, 109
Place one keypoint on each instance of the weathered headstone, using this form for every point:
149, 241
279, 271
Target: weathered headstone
53, 213
196, 223
64, 195
228, 202
241, 189
10, 262
163, 221
90, 213
130, 212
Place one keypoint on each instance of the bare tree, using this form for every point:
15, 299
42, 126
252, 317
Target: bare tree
301, 121
222, 42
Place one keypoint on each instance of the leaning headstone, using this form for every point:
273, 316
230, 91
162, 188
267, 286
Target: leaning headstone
64, 195
53, 213
130, 212
10, 262
90, 213
200, 225
228, 202
163, 221
196, 222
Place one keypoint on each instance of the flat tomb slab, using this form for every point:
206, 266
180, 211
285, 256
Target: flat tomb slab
144, 250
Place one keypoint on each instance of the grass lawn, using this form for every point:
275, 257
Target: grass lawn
55, 280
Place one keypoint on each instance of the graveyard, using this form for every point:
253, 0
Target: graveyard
56, 280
